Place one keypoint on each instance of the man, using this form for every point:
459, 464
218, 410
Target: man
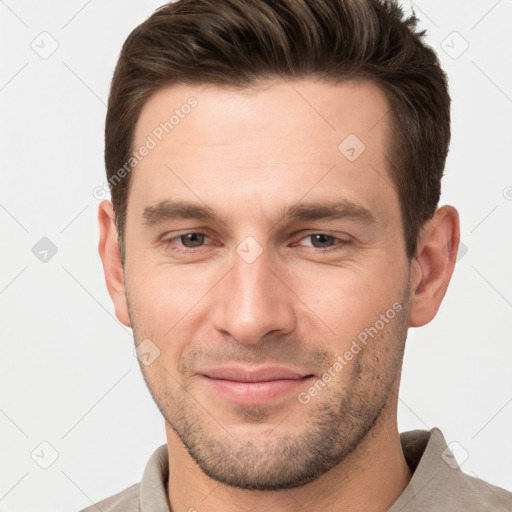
275, 172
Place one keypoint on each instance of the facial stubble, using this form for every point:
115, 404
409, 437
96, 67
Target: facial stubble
332, 425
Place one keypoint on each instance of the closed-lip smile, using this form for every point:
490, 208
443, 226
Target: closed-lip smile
254, 386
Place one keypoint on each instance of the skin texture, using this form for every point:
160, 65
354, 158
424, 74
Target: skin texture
250, 154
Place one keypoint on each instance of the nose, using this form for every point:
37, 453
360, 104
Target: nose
253, 300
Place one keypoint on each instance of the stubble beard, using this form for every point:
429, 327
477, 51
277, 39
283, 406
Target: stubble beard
332, 425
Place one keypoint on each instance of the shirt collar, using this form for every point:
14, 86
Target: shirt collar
153, 486
437, 482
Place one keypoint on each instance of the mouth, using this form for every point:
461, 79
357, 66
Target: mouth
254, 386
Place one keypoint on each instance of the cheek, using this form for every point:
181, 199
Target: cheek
349, 300
162, 306
165, 296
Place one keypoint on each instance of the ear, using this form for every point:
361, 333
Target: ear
111, 259
433, 266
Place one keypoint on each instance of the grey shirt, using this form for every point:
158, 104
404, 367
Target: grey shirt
437, 484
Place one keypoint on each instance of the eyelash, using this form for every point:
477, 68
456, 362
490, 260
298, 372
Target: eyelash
341, 243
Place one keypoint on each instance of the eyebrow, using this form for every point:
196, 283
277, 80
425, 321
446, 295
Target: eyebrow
168, 210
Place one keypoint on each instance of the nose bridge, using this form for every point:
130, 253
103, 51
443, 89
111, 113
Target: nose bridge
251, 276
251, 300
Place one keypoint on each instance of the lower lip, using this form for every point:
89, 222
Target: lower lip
255, 393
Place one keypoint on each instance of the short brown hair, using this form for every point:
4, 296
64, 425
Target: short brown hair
238, 42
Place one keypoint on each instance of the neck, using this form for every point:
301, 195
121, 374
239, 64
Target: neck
371, 478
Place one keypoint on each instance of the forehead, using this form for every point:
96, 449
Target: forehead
299, 106
273, 138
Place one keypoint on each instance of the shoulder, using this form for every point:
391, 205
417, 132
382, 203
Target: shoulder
125, 501
439, 484
149, 494
490, 497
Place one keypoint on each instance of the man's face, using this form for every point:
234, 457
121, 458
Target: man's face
250, 308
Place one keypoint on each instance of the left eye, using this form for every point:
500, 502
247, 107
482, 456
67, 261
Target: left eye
321, 240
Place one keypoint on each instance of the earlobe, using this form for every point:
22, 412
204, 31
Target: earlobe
433, 266
108, 249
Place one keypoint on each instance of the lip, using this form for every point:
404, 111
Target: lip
259, 374
254, 386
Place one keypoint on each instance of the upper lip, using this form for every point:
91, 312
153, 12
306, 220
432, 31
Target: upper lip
259, 374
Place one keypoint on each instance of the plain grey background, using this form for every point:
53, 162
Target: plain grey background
77, 421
